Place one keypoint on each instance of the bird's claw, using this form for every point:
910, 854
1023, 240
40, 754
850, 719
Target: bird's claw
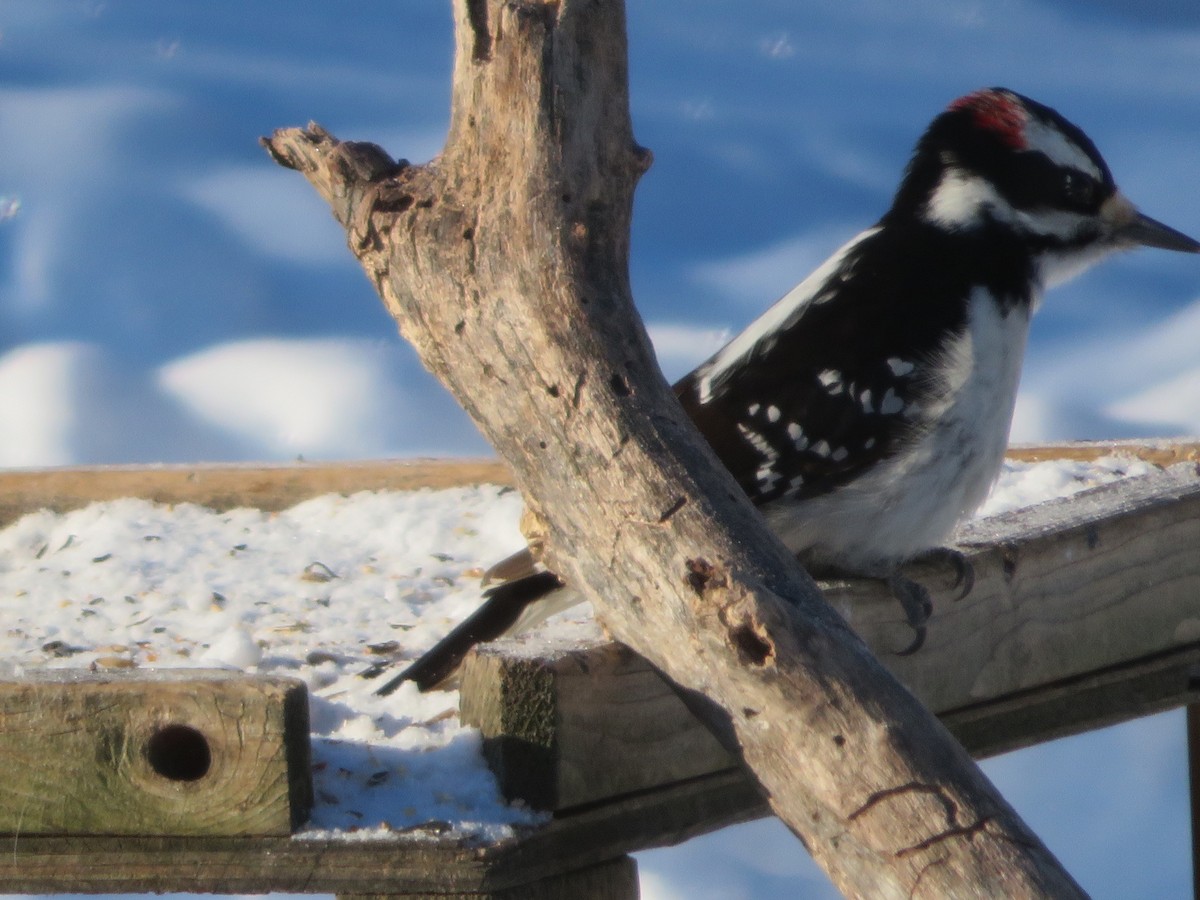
918, 607
964, 572
914, 598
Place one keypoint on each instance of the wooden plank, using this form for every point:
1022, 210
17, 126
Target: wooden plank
629, 756
1075, 705
174, 752
33, 864
1160, 452
598, 722
221, 487
1085, 612
613, 880
1063, 589
278, 486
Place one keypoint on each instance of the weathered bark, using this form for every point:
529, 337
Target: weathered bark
504, 261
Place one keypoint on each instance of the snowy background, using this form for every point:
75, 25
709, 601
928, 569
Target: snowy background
168, 294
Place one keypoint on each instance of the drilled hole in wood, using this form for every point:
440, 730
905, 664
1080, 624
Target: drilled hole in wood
619, 385
751, 648
179, 753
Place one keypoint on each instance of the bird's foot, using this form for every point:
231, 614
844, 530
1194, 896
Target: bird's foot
956, 560
912, 596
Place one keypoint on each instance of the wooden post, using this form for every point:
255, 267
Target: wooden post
505, 263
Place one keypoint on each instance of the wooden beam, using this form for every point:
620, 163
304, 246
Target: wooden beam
1062, 589
1160, 451
175, 752
1108, 696
420, 864
565, 726
613, 880
276, 486
221, 487
1085, 613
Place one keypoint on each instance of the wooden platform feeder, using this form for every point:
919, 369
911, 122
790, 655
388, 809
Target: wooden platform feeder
1086, 613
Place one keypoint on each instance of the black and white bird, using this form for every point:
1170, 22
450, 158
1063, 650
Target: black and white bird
867, 412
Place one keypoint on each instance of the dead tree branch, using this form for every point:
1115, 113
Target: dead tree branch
504, 261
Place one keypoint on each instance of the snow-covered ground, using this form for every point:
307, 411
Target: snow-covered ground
168, 294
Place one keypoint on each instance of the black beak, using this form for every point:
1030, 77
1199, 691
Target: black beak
1148, 232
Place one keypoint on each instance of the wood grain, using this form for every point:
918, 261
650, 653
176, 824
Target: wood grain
1085, 612
613, 880
399, 865
276, 486
1160, 451
222, 487
176, 752
573, 726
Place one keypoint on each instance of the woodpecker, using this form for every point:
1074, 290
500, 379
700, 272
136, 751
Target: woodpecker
867, 412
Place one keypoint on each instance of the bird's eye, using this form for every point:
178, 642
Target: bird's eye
1079, 190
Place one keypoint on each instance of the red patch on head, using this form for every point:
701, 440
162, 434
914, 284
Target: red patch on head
998, 112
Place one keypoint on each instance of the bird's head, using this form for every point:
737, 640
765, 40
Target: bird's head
997, 163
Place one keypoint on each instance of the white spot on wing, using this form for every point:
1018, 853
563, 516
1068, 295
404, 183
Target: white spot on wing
899, 367
839, 454
891, 403
796, 433
821, 448
831, 380
759, 443
772, 413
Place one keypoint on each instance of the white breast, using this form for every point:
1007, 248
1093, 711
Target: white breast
913, 501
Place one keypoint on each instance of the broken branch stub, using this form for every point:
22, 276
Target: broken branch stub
504, 262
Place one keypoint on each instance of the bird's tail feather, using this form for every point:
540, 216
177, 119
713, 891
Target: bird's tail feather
505, 606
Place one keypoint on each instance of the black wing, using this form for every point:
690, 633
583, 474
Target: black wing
834, 377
